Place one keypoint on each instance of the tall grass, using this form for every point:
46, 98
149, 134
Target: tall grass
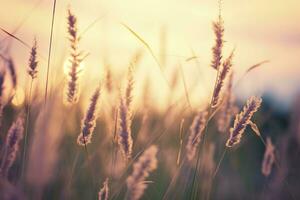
134, 151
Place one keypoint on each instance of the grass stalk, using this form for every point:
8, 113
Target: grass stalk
49, 50
26, 130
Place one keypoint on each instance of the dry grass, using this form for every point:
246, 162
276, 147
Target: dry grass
134, 151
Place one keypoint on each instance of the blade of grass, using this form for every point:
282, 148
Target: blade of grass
25, 18
16, 38
91, 25
256, 65
150, 51
249, 70
50, 49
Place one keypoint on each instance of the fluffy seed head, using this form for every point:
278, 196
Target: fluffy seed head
129, 88
222, 74
14, 136
33, 61
195, 134
228, 109
124, 136
72, 26
218, 28
89, 121
75, 59
141, 169
12, 71
242, 120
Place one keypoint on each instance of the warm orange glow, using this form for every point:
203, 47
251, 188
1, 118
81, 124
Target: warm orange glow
149, 99
259, 30
19, 97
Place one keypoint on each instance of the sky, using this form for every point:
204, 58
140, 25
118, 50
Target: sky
258, 30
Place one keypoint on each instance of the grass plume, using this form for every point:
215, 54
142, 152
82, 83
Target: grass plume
89, 121
124, 136
72, 87
195, 134
146, 163
218, 28
33, 63
13, 138
222, 75
228, 109
242, 120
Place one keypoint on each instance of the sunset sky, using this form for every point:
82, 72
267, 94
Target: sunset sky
259, 30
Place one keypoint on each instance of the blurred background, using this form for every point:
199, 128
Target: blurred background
180, 35
176, 31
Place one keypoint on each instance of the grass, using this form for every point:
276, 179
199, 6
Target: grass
139, 152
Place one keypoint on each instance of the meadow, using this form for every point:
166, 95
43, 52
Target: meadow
65, 134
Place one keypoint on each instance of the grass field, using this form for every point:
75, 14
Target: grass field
122, 118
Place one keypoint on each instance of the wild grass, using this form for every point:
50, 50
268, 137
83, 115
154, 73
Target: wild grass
132, 150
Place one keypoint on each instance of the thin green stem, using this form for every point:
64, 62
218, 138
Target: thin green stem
26, 130
220, 162
50, 49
